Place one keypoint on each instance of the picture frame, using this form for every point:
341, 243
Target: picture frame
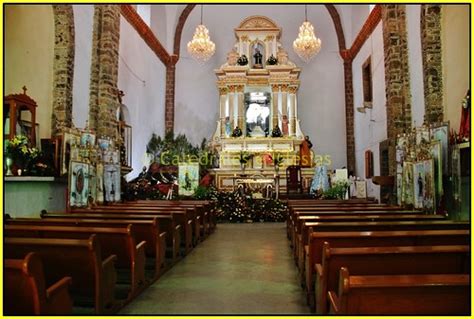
407, 184
112, 183
429, 196
361, 189
92, 184
436, 153
111, 157
99, 197
422, 135
104, 143
87, 137
418, 184
440, 132
68, 139
188, 178
78, 183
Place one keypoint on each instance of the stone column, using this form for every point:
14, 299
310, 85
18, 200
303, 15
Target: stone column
231, 96
240, 108
292, 116
284, 105
275, 96
222, 105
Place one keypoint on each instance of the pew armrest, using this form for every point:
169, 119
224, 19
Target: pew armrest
109, 262
59, 287
141, 246
318, 268
334, 305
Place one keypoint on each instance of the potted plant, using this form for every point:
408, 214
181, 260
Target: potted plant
277, 161
243, 160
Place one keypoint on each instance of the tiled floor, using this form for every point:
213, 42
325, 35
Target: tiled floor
240, 269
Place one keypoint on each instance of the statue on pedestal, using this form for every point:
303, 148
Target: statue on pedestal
258, 59
284, 125
228, 128
276, 131
237, 132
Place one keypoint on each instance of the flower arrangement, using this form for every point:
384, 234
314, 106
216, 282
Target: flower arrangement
244, 157
338, 190
23, 156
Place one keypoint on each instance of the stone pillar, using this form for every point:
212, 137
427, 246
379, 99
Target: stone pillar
284, 105
275, 98
231, 96
169, 97
104, 71
240, 108
222, 105
292, 116
63, 67
397, 78
432, 61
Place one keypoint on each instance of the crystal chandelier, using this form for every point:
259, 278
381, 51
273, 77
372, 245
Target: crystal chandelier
201, 48
307, 45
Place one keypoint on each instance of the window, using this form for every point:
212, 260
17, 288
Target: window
367, 82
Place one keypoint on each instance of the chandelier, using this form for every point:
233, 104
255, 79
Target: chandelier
307, 45
201, 48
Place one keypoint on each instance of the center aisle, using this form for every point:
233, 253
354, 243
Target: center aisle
240, 269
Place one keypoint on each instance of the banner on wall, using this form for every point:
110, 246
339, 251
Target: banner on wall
188, 178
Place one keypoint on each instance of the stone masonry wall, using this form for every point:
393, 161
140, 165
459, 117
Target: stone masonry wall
104, 70
432, 61
63, 67
397, 79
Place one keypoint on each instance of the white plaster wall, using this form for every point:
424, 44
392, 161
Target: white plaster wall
142, 78
321, 95
455, 48
415, 64
158, 24
370, 128
83, 25
29, 53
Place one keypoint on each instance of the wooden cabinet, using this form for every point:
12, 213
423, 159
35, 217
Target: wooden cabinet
14, 108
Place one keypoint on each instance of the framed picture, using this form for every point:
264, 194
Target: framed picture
111, 157
87, 138
188, 178
440, 132
68, 140
78, 184
26, 130
112, 183
418, 184
104, 143
99, 174
92, 184
407, 184
422, 135
361, 189
429, 197
436, 151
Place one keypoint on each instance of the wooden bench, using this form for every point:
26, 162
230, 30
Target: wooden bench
167, 223
409, 260
93, 274
309, 227
429, 295
314, 251
26, 292
113, 241
183, 217
145, 230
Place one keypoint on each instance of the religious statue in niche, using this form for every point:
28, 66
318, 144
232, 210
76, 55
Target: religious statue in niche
284, 125
305, 152
228, 128
258, 59
237, 132
242, 61
276, 131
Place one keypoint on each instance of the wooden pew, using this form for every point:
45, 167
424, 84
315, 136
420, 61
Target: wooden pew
93, 274
309, 227
314, 253
184, 217
26, 292
113, 241
429, 295
167, 223
407, 260
145, 230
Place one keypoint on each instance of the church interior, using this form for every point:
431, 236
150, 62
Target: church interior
236, 159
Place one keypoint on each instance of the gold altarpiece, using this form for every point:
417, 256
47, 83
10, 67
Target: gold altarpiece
256, 97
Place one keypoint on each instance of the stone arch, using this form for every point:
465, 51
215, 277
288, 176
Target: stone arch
63, 65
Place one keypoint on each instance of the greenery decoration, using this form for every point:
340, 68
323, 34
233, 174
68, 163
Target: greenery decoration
29, 159
338, 190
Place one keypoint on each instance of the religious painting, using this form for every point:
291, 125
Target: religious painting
418, 184
440, 132
92, 184
424, 196
437, 168
104, 143
99, 197
111, 157
188, 178
408, 184
112, 183
422, 135
87, 138
69, 139
399, 182
78, 184
429, 191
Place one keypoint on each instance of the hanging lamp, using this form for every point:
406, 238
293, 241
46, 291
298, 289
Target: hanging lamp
306, 45
201, 48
